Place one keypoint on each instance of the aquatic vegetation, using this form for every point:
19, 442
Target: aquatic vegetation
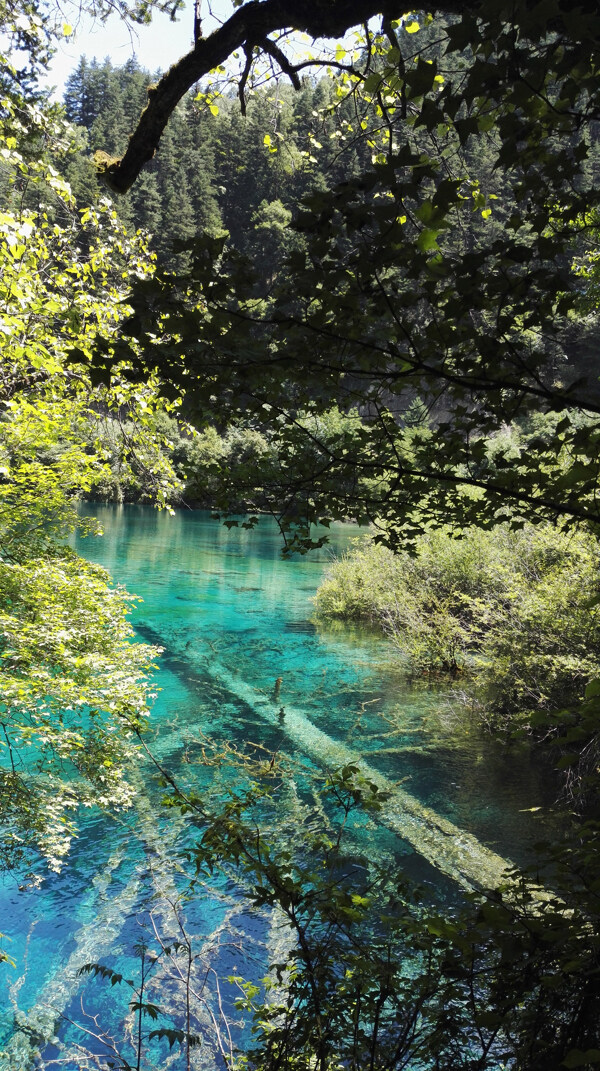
508, 612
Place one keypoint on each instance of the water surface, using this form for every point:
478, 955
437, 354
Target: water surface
242, 654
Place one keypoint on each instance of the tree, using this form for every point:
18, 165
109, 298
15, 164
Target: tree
408, 286
75, 691
272, 238
406, 290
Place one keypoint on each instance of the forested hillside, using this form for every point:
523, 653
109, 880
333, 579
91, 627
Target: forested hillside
218, 169
224, 171
241, 178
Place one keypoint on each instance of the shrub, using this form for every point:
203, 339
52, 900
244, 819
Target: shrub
508, 610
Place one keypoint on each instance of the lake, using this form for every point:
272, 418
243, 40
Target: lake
243, 661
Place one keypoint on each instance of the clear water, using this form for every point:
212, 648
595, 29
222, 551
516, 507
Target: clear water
233, 617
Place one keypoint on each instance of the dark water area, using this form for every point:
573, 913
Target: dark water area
243, 660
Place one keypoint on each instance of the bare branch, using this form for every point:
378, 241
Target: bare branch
244, 78
283, 61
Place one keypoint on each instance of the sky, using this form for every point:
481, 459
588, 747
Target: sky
156, 46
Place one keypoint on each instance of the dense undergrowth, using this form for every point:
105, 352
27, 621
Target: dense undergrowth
508, 615
236, 469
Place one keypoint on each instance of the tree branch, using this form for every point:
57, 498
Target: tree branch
244, 78
274, 51
248, 25
252, 23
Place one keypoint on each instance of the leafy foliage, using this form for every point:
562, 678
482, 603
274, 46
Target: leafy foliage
75, 690
507, 612
406, 284
379, 975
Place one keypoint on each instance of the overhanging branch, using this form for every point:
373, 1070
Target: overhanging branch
250, 24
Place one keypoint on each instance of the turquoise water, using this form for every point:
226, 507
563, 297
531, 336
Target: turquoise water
233, 618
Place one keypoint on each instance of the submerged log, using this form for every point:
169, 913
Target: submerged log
451, 850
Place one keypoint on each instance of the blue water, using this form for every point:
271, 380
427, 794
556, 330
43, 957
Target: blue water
232, 617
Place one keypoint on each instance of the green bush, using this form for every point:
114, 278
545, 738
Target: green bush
220, 468
508, 611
